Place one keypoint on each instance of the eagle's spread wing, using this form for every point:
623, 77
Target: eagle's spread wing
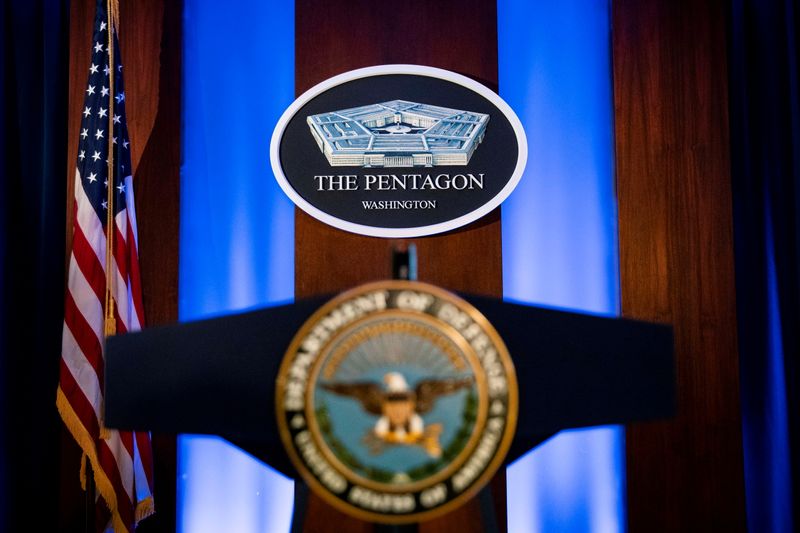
368, 393
428, 390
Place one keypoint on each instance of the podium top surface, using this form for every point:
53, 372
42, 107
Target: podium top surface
217, 376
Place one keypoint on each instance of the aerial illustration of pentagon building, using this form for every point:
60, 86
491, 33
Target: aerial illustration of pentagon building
398, 134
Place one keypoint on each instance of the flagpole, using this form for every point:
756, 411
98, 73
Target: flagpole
110, 323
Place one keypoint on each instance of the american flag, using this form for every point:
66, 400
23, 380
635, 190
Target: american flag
121, 461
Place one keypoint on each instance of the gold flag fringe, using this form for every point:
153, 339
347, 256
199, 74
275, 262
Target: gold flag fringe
84, 440
144, 509
83, 470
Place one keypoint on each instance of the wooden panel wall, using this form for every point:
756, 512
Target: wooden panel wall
418, 32
334, 36
676, 256
151, 43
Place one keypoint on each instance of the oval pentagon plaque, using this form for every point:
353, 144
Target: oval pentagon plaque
398, 151
397, 401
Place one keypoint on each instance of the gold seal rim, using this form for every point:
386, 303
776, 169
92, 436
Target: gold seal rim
491, 468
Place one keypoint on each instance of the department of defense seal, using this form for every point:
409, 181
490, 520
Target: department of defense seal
397, 401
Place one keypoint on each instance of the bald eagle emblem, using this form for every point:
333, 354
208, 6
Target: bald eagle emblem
399, 409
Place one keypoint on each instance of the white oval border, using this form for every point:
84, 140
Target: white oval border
383, 70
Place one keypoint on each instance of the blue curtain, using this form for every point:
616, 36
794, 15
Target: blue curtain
765, 139
237, 229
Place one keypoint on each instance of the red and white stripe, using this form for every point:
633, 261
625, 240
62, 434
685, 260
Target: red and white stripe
121, 461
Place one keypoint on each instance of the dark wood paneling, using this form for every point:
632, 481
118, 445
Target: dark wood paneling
676, 257
418, 32
151, 29
329, 260
150, 42
334, 36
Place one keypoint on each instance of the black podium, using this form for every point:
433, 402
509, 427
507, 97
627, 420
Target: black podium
217, 376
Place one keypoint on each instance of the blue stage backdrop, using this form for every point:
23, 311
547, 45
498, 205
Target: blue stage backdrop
237, 233
559, 230
559, 237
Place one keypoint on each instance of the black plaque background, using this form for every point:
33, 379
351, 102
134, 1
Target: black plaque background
495, 157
